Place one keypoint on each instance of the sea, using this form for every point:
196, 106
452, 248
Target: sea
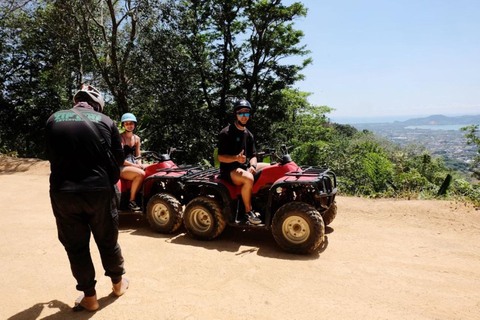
385, 119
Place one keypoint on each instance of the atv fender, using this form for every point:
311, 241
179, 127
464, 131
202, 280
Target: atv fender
212, 188
324, 184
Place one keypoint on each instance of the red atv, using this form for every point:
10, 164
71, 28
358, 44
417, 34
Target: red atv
295, 202
161, 193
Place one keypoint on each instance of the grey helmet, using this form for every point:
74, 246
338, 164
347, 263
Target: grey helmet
89, 93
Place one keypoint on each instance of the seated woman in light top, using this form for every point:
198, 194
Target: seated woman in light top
132, 168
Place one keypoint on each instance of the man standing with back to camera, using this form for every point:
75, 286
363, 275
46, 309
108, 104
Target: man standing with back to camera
82, 196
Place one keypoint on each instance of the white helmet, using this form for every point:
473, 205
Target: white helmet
90, 94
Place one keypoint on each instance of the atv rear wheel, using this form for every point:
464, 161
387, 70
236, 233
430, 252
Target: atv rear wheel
203, 218
298, 227
330, 214
164, 213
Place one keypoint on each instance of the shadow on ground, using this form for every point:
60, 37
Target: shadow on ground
232, 239
64, 311
10, 165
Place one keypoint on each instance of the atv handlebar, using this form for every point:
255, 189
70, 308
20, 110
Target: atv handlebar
149, 155
274, 156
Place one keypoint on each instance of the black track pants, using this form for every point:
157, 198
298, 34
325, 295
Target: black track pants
79, 214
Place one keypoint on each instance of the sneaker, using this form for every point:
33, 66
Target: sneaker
133, 206
252, 217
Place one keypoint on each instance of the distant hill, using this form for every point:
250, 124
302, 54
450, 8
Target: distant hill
441, 120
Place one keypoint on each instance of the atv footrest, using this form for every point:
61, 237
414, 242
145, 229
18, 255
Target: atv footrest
243, 223
129, 212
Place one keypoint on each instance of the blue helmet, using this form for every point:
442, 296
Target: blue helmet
128, 117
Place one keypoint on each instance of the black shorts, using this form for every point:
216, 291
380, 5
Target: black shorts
225, 174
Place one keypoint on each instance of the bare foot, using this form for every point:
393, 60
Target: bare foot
86, 303
121, 287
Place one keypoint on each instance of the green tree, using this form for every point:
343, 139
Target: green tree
202, 56
473, 138
108, 30
295, 120
237, 47
33, 79
167, 95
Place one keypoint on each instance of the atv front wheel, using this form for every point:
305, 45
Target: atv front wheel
203, 218
164, 213
298, 227
330, 214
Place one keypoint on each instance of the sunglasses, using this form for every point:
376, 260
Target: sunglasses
243, 114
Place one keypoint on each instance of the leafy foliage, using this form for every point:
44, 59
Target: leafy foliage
473, 138
33, 77
179, 65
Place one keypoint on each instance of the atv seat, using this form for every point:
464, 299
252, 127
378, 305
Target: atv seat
126, 185
237, 190
257, 176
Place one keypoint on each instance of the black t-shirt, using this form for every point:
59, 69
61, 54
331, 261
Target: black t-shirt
77, 164
231, 141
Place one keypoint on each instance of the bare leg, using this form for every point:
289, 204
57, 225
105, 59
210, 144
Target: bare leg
262, 165
136, 175
135, 185
245, 179
121, 287
87, 303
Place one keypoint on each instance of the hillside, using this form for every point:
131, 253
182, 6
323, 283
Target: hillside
441, 120
430, 120
448, 141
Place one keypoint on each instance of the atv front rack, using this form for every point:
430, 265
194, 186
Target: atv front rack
325, 178
309, 170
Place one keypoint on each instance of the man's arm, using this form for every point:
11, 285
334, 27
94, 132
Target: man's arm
225, 158
253, 152
253, 165
253, 162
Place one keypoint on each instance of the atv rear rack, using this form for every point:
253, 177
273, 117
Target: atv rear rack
188, 170
205, 174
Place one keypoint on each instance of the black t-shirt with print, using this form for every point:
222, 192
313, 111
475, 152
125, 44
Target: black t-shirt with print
231, 141
76, 162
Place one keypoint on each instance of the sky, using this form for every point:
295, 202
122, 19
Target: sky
392, 59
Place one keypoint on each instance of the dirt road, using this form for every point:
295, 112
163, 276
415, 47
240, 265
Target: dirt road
383, 259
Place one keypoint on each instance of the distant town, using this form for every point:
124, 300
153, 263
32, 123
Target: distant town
441, 135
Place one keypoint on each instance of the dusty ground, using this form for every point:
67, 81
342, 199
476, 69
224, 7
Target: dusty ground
384, 259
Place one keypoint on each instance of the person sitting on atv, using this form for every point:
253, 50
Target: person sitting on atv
235, 145
132, 168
